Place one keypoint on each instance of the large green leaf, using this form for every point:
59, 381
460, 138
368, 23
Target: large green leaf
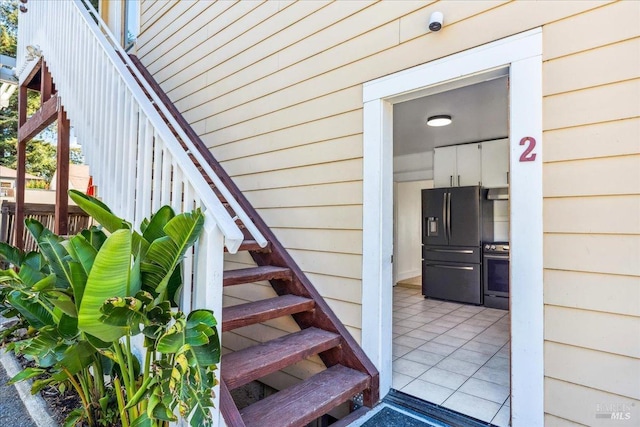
77, 357
57, 256
94, 236
110, 277
11, 254
32, 310
154, 229
83, 252
78, 281
165, 253
30, 276
99, 211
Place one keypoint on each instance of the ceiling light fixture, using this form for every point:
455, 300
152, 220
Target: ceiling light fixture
440, 120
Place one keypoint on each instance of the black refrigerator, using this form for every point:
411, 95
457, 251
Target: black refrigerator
455, 221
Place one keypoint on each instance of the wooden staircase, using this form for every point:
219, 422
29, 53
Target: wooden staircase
349, 372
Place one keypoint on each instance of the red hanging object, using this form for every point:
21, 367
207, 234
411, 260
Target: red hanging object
91, 189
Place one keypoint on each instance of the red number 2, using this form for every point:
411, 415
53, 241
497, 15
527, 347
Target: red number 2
527, 155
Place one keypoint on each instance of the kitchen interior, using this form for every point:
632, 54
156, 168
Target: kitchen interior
451, 322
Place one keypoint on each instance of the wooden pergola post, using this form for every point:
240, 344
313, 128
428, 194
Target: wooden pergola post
40, 79
62, 177
21, 161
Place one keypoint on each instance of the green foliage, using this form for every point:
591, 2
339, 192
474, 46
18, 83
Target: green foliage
8, 27
88, 295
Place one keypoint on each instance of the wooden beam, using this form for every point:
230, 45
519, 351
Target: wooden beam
21, 152
62, 182
46, 84
32, 74
46, 115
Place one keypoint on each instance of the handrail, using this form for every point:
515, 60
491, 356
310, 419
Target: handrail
224, 191
77, 70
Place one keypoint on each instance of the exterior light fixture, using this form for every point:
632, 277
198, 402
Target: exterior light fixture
438, 121
33, 52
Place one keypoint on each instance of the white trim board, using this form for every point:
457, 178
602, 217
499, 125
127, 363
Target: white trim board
521, 54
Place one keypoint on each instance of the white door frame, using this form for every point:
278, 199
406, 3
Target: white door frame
522, 54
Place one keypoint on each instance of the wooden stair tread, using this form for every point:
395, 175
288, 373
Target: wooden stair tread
298, 405
244, 366
260, 311
252, 245
255, 274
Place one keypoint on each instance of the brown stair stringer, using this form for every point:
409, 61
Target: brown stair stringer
349, 354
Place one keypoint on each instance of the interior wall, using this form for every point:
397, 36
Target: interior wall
408, 228
501, 221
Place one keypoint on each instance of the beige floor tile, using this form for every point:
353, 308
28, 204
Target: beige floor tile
470, 356
478, 322
497, 362
423, 357
409, 323
450, 341
442, 310
441, 349
485, 390
453, 318
444, 378
400, 350
473, 406
430, 327
401, 329
459, 366
409, 341
481, 347
445, 323
400, 380
503, 417
409, 367
470, 328
421, 334
426, 391
493, 375
457, 333
491, 339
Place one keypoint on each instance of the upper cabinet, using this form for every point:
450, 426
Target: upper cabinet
457, 166
485, 164
495, 163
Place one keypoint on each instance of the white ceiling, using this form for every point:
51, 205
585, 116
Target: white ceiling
479, 113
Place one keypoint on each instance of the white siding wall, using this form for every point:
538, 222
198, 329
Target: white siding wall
274, 89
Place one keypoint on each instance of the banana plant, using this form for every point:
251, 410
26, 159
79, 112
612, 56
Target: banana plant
131, 289
44, 291
89, 295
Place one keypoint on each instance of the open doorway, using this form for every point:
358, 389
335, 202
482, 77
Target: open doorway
522, 56
451, 329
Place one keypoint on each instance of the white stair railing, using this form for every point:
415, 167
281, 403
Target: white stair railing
86, 59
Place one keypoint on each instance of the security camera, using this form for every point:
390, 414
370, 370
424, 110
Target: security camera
435, 22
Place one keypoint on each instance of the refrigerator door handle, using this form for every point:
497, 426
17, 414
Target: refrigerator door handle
451, 251
445, 226
449, 215
452, 267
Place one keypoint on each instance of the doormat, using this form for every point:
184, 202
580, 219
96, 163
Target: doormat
385, 415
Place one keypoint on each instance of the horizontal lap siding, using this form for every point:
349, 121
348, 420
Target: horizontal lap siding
592, 213
274, 89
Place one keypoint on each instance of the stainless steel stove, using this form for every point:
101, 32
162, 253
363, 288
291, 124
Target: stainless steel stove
495, 263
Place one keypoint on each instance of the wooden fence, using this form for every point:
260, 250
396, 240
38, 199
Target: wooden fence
44, 213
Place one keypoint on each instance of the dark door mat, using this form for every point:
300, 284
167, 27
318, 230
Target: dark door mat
390, 417
437, 415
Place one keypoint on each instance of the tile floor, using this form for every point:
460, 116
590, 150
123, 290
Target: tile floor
453, 355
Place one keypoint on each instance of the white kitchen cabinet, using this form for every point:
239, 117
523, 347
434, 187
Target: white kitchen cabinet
444, 166
495, 163
457, 166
